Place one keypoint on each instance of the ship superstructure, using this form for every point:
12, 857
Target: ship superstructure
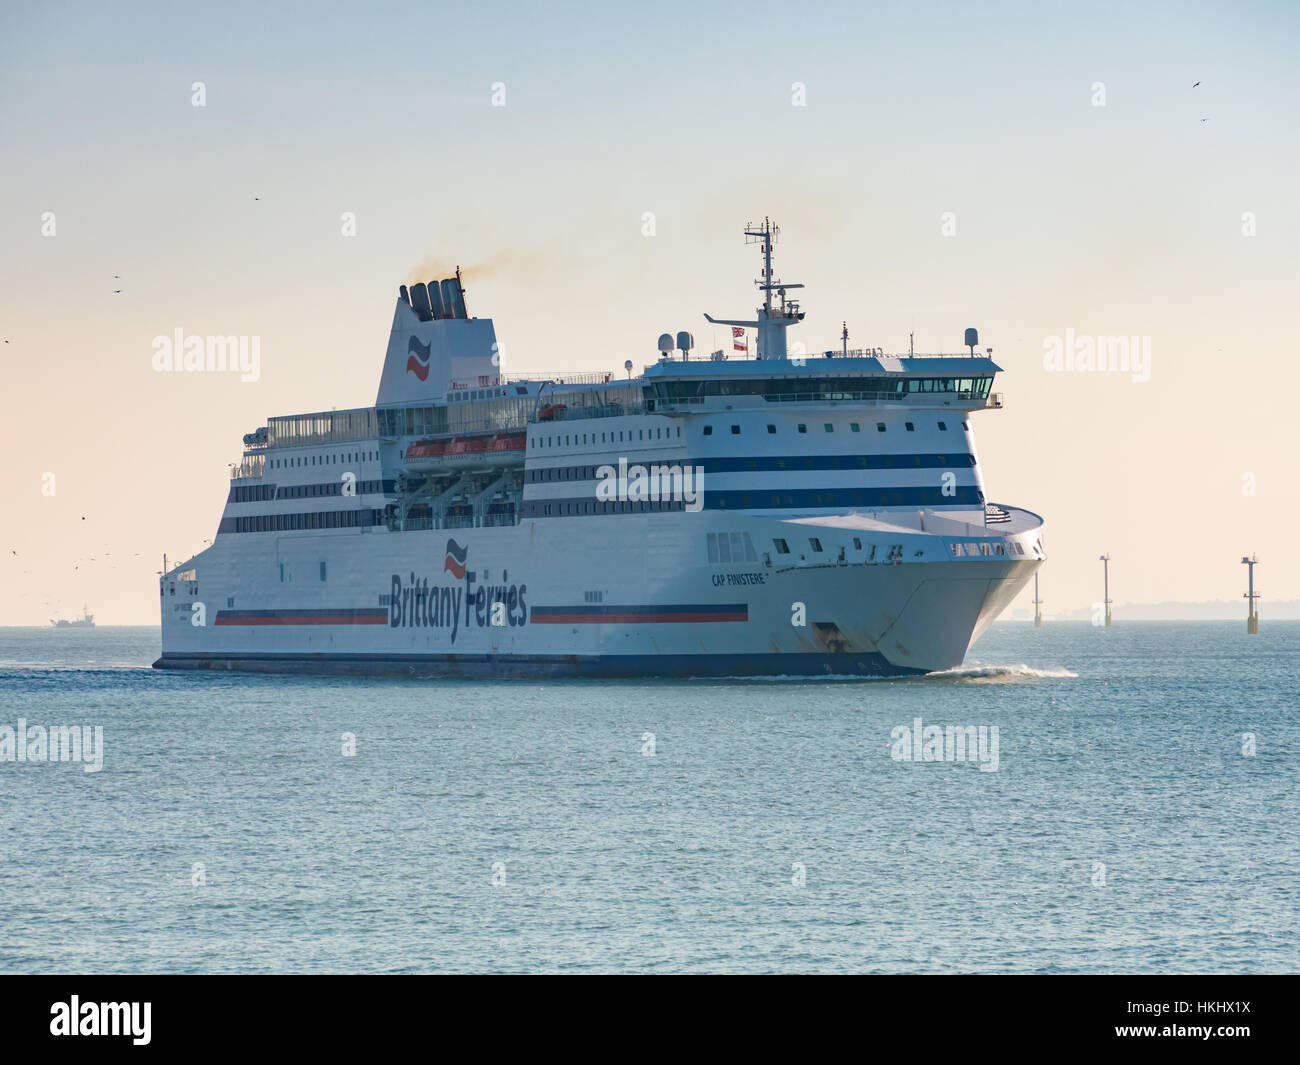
782, 514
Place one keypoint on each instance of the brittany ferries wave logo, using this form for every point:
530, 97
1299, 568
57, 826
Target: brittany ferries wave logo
417, 361
422, 602
454, 563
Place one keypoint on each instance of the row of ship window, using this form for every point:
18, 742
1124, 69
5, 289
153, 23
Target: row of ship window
783, 547
258, 493
854, 427
737, 547
325, 460
578, 439
323, 519
720, 550
586, 439
986, 549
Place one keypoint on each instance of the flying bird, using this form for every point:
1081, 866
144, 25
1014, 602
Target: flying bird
1194, 86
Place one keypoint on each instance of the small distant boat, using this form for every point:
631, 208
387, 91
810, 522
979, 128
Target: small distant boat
86, 621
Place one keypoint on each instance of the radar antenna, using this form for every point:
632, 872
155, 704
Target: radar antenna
772, 322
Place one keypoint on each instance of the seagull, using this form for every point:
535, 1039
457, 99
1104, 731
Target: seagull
1194, 86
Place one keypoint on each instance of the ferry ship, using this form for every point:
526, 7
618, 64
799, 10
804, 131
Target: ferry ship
777, 513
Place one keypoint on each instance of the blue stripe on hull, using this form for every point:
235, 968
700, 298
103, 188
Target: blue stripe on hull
533, 667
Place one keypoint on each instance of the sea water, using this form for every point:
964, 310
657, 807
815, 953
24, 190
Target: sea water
1142, 815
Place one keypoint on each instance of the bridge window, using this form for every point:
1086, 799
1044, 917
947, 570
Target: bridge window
708, 430
771, 428
909, 427
782, 548
943, 427
735, 430
814, 543
854, 427
801, 427
880, 427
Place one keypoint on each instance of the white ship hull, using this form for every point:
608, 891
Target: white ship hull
583, 606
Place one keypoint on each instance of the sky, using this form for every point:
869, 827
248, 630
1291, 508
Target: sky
1026, 169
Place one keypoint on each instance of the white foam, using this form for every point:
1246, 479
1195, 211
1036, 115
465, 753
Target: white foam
979, 672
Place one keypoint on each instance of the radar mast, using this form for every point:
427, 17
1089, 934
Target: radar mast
772, 321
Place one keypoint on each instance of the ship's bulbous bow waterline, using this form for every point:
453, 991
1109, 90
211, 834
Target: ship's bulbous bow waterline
710, 517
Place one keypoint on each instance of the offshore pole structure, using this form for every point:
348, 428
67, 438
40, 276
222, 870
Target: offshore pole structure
1252, 613
1105, 570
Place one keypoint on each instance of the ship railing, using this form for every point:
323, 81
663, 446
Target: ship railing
560, 377
252, 466
606, 410
878, 353
838, 353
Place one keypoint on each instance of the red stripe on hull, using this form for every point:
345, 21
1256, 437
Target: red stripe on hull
324, 620
630, 619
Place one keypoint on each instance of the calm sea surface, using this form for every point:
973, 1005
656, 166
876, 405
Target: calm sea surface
525, 827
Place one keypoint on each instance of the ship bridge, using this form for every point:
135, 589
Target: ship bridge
958, 381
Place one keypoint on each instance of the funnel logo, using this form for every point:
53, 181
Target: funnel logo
417, 361
454, 563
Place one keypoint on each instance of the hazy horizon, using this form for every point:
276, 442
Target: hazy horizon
942, 167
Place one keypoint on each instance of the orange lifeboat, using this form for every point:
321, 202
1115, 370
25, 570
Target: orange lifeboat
507, 442
426, 449
466, 448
